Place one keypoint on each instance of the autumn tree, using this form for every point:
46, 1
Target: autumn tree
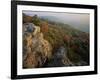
67, 39
44, 27
26, 18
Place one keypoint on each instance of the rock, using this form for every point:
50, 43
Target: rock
59, 59
36, 50
30, 61
31, 28
28, 27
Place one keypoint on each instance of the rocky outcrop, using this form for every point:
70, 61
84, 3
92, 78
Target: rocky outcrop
59, 59
36, 50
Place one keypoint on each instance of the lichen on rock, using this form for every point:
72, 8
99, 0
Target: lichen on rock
36, 50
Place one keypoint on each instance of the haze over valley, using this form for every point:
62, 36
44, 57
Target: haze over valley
75, 20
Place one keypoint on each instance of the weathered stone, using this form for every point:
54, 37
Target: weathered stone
38, 50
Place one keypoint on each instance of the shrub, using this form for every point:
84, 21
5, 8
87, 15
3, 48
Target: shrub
27, 18
36, 20
44, 27
74, 57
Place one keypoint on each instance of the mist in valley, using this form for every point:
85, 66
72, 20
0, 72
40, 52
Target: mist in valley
76, 20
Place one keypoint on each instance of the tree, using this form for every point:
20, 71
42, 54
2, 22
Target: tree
44, 27
67, 39
36, 20
26, 18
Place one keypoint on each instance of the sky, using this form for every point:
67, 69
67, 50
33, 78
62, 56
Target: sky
77, 20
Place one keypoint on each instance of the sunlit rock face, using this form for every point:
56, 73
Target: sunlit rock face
36, 50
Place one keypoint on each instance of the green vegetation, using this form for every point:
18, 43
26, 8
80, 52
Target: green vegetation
59, 34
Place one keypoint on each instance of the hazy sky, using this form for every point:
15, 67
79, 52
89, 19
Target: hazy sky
76, 20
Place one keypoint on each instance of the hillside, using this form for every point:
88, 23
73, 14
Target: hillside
67, 46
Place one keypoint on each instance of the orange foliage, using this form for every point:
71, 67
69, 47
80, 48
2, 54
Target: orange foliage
67, 38
44, 27
27, 19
